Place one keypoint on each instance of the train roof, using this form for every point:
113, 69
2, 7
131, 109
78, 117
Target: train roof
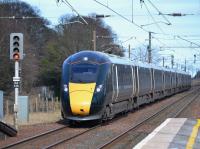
101, 57
122, 60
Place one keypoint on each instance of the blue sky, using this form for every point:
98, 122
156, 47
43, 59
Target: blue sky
186, 25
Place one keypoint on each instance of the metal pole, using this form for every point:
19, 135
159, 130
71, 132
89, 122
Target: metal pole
172, 60
192, 70
149, 49
195, 58
16, 80
140, 54
94, 39
20, 74
163, 62
129, 51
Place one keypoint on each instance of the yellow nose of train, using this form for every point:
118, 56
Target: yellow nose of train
81, 97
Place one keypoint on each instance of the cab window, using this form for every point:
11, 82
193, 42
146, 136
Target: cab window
83, 73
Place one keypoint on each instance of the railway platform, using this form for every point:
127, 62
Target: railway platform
173, 133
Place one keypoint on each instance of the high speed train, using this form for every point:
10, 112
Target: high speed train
97, 86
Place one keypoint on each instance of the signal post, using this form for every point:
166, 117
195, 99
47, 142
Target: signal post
16, 54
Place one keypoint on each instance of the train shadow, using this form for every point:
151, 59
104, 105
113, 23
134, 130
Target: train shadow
79, 124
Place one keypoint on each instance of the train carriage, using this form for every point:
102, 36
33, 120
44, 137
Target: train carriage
158, 75
123, 88
173, 82
144, 83
167, 82
97, 86
178, 81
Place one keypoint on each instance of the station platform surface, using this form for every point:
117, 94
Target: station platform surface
173, 133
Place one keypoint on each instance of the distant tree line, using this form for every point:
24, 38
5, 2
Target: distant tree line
46, 47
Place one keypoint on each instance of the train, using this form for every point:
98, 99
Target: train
97, 86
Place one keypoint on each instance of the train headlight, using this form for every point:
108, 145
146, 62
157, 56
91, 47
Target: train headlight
99, 88
65, 87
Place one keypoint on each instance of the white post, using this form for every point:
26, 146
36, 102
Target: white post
149, 49
94, 40
16, 80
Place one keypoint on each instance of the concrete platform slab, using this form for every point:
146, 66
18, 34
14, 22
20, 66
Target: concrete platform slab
173, 133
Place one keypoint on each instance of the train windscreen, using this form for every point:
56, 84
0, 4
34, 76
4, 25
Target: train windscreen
83, 73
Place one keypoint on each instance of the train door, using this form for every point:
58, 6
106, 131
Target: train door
164, 76
137, 81
133, 80
115, 83
153, 79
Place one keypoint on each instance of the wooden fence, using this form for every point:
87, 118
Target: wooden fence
36, 104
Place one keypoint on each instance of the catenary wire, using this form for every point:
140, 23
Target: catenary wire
159, 12
73, 9
153, 18
121, 16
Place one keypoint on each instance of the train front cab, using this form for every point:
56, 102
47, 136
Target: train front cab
83, 90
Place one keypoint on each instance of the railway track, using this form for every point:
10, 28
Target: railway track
56, 144
173, 110
43, 140
68, 139
31, 139
37, 141
78, 135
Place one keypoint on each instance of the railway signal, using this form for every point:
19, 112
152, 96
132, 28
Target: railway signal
16, 54
16, 46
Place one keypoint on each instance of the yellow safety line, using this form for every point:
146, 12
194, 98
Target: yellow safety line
193, 135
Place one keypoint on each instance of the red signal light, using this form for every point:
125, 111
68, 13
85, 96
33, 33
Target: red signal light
16, 56
16, 46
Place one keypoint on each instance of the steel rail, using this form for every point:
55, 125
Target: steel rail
78, 135
58, 129
34, 137
68, 139
145, 120
186, 105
